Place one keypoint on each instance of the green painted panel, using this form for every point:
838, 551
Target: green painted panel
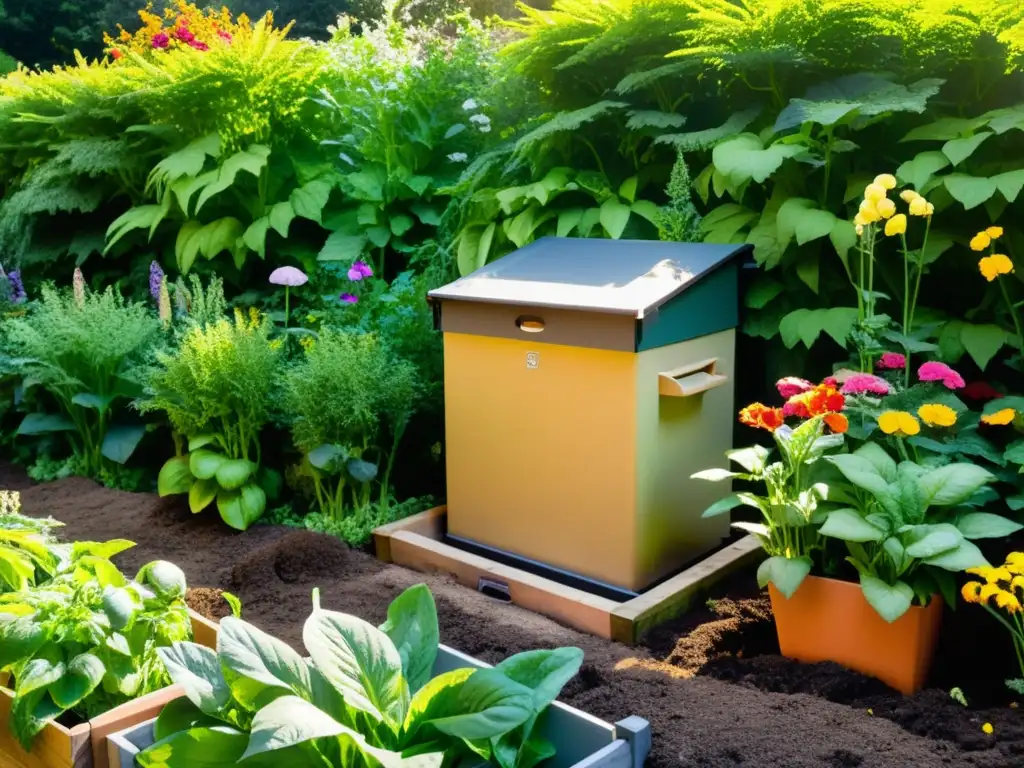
710, 306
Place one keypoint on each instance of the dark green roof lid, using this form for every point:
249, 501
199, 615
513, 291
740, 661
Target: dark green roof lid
629, 277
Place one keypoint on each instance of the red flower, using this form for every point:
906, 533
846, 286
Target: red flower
762, 417
837, 423
823, 399
115, 54
981, 390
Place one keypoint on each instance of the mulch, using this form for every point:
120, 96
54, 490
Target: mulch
711, 683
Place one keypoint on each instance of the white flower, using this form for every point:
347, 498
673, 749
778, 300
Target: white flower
481, 119
469, 104
485, 129
458, 157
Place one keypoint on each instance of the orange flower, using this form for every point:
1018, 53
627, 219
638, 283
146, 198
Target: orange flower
823, 399
762, 417
837, 423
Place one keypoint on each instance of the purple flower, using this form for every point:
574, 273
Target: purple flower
18, 294
289, 276
348, 298
358, 271
161, 40
156, 275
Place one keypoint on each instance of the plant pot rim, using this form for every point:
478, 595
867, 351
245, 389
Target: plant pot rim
839, 583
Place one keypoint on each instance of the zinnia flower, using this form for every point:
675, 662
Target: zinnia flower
817, 402
762, 417
199, 45
886, 181
897, 225
865, 384
899, 423
1000, 418
892, 361
359, 270
156, 276
837, 422
791, 385
937, 415
980, 241
184, 34
935, 371
348, 298
993, 266
161, 40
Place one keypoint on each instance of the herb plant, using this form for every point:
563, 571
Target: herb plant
82, 349
216, 391
366, 696
87, 639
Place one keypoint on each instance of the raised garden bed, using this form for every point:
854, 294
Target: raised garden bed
712, 683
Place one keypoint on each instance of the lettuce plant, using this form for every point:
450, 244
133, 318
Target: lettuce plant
366, 696
87, 640
27, 548
216, 391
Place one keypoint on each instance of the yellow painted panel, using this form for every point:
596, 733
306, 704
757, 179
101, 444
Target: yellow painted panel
540, 443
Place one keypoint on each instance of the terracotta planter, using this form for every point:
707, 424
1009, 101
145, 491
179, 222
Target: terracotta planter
829, 620
84, 746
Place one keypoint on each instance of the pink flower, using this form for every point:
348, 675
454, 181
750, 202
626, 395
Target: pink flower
184, 34
831, 381
791, 385
348, 298
224, 35
940, 372
359, 270
793, 409
199, 45
865, 384
893, 361
161, 40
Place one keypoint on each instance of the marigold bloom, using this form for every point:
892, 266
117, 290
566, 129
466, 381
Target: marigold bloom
935, 371
761, 416
1008, 602
937, 415
980, 241
988, 591
993, 266
899, 423
970, 592
865, 384
892, 361
837, 422
897, 225
994, 232
886, 208
886, 181
1000, 418
874, 192
919, 207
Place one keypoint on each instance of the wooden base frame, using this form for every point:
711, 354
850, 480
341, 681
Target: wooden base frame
84, 746
418, 542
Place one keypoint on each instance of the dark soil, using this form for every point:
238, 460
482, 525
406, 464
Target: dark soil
711, 683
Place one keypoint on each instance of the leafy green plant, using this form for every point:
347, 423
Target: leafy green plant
82, 349
27, 554
87, 639
347, 395
356, 530
366, 696
216, 391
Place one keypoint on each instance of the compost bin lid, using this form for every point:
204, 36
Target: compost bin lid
627, 277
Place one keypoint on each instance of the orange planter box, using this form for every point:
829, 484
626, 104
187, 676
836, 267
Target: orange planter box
829, 620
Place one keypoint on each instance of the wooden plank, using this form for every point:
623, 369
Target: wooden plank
574, 607
431, 524
54, 747
674, 596
204, 631
125, 716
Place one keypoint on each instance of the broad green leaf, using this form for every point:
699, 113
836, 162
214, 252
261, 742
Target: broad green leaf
243, 507
419, 184
982, 342
41, 423
567, 221
628, 188
751, 458
181, 715
969, 191
808, 270
723, 505
38, 673
254, 661
714, 475
761, 292
309, 201
84, 672
281, 216
709, 137
204, 464
958, 150
90, 400
983, 525
255, 237
843, 237
287, 722
196, 748
880, 459
919, 171
800, 111
953, 484
647, 210
470, 704
20, 639
202, 494
368, 184
640, 119
945, 128
327, 457
252, 160
484, 246
847, 525
469, 250
139, 217
890, 600
120, 606
188, 161
197, 670
120, 443
965, 556
175, 477
380, 236
544, 672
412, 627
401, 224
220, 235
744, 158
234, 473
342, 247
360, 661
1009, 183
934, 542
186, 247
427, 214
786, 573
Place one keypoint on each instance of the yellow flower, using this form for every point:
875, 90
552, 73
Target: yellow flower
1015, 558
1008, 602
909, 195
898, 423
994, 232
275, 344
970, 591
993, 266
874, 192
937, 415
998, 574
987, 728
868, 212
886, 181
886, 208
871, 711
897, 225
980, 241
858, 228
988, 591
307, 343
919, 207
929, 210
1017, 582
1000, 418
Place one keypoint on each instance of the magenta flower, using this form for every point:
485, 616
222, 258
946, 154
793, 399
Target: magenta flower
184, 34
893, 361
865, 384
941, 372
791, 385
199, 45
161, 40
224, 35
348, 298
358, 271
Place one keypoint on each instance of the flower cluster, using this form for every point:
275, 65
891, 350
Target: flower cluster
903, 424
866, 384
876, 206
1004, 584
183, 26
803, 400
941, 372
995, 264
892, 361
17, 288
358, 272
156, 277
